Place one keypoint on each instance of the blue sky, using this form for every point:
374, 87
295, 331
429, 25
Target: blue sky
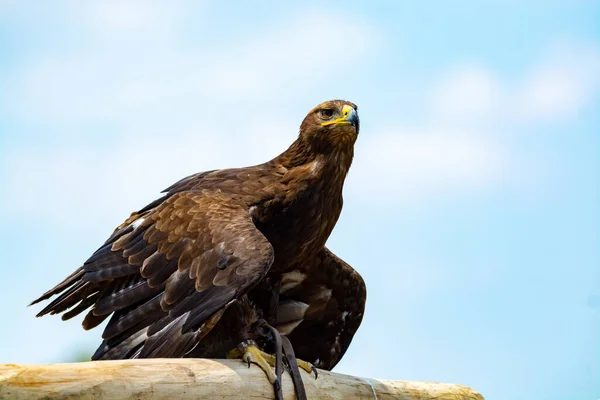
471, 210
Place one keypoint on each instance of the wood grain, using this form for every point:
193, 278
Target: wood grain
183, 379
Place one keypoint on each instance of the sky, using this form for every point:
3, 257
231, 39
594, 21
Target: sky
472, 208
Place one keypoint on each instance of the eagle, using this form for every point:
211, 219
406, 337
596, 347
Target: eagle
232, 263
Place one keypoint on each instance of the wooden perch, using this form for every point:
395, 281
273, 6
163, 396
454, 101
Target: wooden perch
199, 379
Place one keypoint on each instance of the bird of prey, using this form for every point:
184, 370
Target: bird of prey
233, 263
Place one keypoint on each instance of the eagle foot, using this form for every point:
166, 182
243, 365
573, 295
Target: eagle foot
251, 354
271, 361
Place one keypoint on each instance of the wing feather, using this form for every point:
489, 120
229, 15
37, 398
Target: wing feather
320, 309
165, 272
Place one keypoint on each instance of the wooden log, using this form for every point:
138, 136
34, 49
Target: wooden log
171, 379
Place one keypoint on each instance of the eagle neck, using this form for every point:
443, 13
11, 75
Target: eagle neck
302, 153
323, 171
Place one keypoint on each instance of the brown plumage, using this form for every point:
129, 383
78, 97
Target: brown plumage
190, 274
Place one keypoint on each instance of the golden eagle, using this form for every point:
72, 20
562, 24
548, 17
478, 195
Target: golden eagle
233, 263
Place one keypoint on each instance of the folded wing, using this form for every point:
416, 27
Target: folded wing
320, 308
166, 275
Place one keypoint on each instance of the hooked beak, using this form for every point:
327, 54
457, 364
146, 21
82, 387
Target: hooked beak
349, 117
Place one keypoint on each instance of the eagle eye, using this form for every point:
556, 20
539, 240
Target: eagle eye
326, 113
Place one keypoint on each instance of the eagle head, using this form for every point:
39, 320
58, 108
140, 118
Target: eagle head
331, 125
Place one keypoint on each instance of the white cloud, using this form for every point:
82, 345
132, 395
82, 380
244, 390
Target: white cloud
114, 17
414, 163
467, 91
463, 146
562, 83
557, 87
111, 182
124, 82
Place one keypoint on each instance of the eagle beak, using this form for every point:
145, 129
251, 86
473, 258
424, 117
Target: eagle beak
349, 117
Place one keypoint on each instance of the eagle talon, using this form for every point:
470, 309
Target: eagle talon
308, 367
314, 369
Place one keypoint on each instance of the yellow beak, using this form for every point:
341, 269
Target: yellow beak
349, 117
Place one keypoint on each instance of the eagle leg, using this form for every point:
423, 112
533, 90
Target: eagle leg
282, 343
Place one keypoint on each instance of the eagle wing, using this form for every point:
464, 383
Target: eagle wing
321, 306
166, 275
